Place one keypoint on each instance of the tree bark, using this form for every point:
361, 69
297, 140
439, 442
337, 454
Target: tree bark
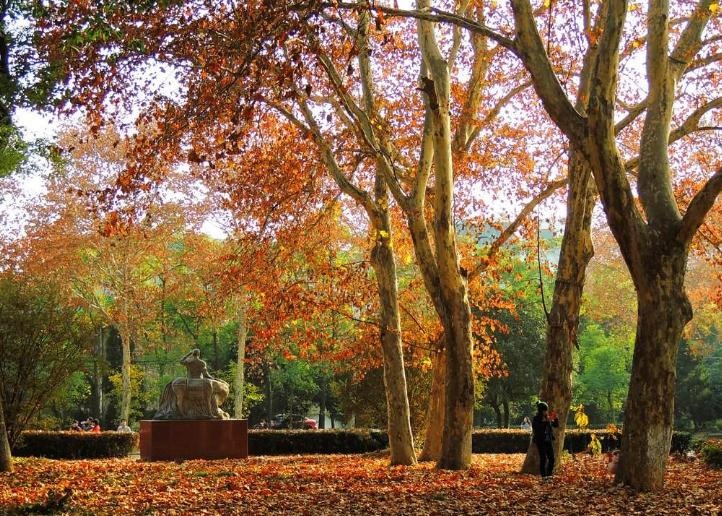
654, 245
98, 408
239, 379
382, 258
126, 394
459, 388
6, 459
216, 356
561, 337
435, 414
455, 312
610, 403
505, 414
401, 439
662, 313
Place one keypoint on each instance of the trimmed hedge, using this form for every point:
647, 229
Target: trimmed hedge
517, 441
75, 445
85, 445
711, 451
286, 442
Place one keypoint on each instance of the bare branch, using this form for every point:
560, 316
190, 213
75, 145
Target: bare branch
698, 208
690, 41
493, 113
433, 14
689, 126
632, 113
529, 47
704, 61
454, 52
515, 224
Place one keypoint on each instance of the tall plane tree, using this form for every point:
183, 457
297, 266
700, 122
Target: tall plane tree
654, 236
655, 239
415, 151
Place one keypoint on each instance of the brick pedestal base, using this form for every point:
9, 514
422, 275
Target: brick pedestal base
204, 439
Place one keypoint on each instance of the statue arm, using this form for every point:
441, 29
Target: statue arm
206, 374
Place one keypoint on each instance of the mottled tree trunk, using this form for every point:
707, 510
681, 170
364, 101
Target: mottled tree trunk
655, 239
505, 418
401, 439
459, 388
127, 390
455, 312
6, 459
239, 378
662, 313
435, 414
98, 408
561, 337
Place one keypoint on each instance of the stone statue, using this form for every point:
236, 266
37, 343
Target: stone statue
197, 396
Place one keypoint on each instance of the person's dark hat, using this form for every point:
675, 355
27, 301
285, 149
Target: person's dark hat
541, 406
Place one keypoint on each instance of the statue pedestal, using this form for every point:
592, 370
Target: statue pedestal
194, 439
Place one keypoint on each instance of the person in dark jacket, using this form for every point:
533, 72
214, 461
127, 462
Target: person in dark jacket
543, 437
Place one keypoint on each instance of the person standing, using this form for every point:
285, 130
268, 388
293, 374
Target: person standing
543, 425
525, 424
123, 427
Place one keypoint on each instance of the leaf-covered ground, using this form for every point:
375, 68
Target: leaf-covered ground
344, 484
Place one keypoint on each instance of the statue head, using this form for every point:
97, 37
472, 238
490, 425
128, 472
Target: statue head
196, 352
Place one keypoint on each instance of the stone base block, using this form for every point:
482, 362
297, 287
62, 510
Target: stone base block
197, 439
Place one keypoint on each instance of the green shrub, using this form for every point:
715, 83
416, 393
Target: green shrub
75, 445
500, 441
285, 442
712, 452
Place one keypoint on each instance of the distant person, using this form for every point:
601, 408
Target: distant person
525, 424
543, 437
75, 427
96, 426
87, 425
123, 427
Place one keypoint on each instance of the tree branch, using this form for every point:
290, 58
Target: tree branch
698, 208
515, 224
529, 47
689, 126
432, 14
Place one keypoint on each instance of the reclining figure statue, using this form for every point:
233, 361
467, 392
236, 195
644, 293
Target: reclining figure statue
197, 396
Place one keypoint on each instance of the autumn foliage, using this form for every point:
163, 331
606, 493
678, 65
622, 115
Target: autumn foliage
342, 484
